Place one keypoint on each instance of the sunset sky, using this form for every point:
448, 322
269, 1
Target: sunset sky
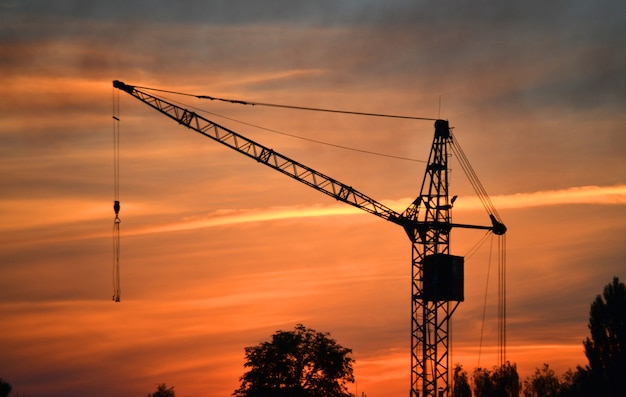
219, 252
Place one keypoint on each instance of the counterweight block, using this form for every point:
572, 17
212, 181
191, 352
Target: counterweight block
443, 278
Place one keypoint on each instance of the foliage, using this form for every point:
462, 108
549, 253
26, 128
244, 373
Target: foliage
163, 391
299, 363
606, 349
5, 388
461, 386
483, 386
503, 381
544, 383
576, 384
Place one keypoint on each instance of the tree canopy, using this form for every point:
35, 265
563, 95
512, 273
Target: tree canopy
606, 349
298, 363
461, 386
5, 388
163, 391
544, 383
503, 381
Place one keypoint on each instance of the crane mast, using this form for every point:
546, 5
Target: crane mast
437, 276
433, 301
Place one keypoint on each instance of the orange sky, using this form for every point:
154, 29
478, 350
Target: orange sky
219, 252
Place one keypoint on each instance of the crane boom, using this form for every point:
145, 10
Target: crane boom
264, 155
284, 164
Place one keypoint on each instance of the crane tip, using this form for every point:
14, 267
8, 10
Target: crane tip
122, 86
498, 227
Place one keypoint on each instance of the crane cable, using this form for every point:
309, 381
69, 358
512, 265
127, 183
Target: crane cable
502, 300
116, 202
242, 102
370, 152
473, 178
491, 210
482, 327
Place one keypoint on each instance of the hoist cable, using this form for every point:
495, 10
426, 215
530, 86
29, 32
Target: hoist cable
241, 102
482, 327
116, 202
476, 246
501, 259
502, 299
291, 135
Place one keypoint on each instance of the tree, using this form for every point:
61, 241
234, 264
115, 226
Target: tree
606, 349
576, 384
163, 391
299, 363
544, 383
503, 381
506, 380
461, 386
5, 388
483, 386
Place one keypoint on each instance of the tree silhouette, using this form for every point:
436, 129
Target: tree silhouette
461, 386
503, 381
483, 387
606, 349
544, 383
299, 363
576, 384
163, 391
5, 388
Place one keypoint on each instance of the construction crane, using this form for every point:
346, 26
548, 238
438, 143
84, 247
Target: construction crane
437, 276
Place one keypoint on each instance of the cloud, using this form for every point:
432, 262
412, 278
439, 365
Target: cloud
590, 195
266, 80
24, 214
593, 195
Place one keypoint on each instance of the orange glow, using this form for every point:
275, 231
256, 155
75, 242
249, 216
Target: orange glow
219, 252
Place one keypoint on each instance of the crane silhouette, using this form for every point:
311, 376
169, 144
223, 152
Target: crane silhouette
437, 276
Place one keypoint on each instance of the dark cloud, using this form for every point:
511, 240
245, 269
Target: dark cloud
195, 11
428, 46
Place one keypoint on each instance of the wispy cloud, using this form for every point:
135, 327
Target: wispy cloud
591, 195
34, 213
599, 195
275, 76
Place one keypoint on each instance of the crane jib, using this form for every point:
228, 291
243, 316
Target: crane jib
263, 154
283, 164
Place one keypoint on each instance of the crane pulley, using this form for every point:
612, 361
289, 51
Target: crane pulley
437, 276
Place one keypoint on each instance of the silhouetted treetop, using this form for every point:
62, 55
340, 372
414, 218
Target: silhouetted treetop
163, 391
606, 349
503, 381
461, 383
298, 363
5, 388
